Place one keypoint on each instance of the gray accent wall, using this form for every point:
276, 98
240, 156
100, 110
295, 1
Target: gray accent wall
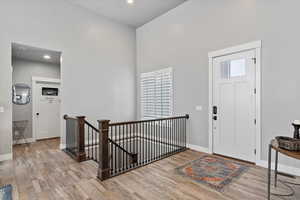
98, 67
23, 71
183, 37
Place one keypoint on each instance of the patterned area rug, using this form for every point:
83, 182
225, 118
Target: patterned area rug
213, 171
6, 192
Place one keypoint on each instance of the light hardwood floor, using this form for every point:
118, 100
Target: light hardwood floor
42, 171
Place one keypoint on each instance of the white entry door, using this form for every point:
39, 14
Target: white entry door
47, 108
234, 105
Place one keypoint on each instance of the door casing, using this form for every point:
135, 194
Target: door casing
36, 80
256, 45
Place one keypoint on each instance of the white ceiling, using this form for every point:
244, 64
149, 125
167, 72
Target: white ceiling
35, 54
137, 14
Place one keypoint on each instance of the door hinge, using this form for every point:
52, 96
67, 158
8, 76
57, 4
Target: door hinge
254, 90
254, 121
254, 151
254, 60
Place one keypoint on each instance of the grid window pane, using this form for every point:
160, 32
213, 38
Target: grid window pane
157, 94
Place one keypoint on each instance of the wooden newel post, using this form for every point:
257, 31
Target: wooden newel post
81, 139
103, 170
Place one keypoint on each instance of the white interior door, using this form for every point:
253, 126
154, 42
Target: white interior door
47, 108
234, 102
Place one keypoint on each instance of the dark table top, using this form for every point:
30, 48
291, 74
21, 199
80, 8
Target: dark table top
293, 154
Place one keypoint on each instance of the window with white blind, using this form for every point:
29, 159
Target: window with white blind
157, 94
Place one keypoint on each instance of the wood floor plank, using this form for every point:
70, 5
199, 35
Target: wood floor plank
42, 171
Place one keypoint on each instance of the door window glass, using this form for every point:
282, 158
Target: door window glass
233, 68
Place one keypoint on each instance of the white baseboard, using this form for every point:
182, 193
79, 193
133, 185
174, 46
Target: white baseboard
283, 168
198, 148
62, 146
24, 141
4, 157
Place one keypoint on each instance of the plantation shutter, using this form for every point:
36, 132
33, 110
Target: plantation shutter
157, 94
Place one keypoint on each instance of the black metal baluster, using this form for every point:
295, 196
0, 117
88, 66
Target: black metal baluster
97, 142
184, 133
177, 133
169, 135
153, 142
111, 148
123, 145
92, 144
142, 141
144, 145
180, 134
133, 140
119, 152
88, 144
115, 152
176, 122
127, 146
156, 139
163, 137
95, 145
130, 143
148, 142
159, 138
173, 135
166, 136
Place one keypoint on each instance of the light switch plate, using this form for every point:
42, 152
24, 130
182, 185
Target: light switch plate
198, 108
1, 109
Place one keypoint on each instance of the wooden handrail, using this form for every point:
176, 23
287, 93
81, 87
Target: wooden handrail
91, 126
159, 137
68, 117
150, 120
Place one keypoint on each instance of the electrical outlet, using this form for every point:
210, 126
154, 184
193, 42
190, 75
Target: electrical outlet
1, 109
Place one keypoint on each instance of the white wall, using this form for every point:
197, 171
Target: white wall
183, 37
23, 71
98, 59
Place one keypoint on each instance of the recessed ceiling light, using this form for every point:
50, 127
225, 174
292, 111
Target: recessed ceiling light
47, 57
130, 1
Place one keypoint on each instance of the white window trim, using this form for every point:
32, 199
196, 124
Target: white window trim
170, 70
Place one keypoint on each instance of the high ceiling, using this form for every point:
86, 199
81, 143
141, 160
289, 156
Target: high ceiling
26, 52
136, 14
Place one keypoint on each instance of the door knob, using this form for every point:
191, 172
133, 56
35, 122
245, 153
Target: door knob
37, 114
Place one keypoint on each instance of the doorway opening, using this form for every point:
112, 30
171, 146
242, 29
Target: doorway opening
36, 98
234, 102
